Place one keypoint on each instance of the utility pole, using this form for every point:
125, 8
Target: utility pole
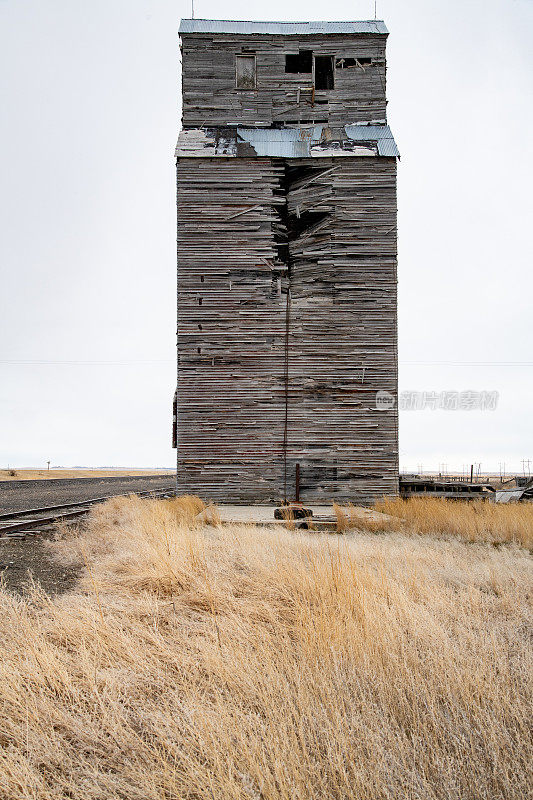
48, 466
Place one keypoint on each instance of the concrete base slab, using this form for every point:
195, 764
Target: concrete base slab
263, 515
324, 517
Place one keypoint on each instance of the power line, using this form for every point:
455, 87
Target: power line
469, 363
78, 362
102, 361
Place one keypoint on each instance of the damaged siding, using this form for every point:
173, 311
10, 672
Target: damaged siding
342, 348
210, 96
230, 330
339, 222
286, 270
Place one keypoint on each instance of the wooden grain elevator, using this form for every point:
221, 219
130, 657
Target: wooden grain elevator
287, 262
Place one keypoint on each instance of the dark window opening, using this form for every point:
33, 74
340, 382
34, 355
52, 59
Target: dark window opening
199, 301
299, 62
245, 72
345, 63
324, 72
201, 278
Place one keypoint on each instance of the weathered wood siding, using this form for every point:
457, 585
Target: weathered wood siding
339, 219
343, 340
230, 331
211, 98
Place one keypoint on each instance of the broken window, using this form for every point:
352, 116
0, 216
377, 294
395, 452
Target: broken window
245, 72
324, 72
299, 62
345, 63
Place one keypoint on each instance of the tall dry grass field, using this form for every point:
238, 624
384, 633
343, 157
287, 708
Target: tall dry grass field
238, 662
475, 521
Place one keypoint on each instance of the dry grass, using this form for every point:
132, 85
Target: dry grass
473, 521
55, 474
243, 662
351, 518
476, 521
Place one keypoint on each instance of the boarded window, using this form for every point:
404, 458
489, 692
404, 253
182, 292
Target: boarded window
299, 62
324, 72
245, 77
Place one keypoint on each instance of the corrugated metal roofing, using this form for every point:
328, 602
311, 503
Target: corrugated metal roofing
509, 495
281, 28
516, 494
382, 134
315, 141
281, 142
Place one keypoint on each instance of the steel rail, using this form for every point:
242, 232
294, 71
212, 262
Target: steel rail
15, 521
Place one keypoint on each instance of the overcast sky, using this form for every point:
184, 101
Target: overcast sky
90, 115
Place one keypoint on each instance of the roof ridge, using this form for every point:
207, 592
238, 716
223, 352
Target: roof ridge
236, 26
282, 22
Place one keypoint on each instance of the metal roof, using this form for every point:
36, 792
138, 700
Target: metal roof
381, 134
314, 141
509, 495
375, 26
513, 495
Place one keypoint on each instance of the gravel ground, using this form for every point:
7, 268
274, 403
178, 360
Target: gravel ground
24, 562
20, 495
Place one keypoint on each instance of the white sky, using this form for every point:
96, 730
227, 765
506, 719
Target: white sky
90, 98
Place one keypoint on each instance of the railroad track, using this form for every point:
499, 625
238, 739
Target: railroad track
32, 521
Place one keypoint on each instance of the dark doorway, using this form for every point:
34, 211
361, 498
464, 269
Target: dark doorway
324, 72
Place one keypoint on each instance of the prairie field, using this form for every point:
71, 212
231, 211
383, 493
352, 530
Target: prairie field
473, 521
207, 661
55, 473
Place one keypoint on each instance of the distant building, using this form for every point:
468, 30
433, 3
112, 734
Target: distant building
287, 335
